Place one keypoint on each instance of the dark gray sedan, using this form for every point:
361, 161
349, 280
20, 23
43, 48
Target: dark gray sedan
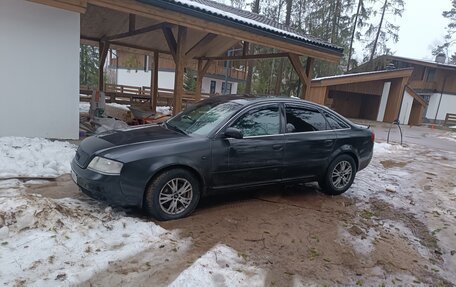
220, 144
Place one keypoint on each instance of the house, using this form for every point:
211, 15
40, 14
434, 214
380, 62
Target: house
434, 82
132, 69
39, 54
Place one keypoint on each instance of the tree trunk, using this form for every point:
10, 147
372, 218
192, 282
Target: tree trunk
353, 35
378, 31
282, 60
248, 81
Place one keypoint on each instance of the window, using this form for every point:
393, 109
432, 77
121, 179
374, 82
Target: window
304, 120
430, 75
201, 119
335, 122
213, 85
228, 88
260, 122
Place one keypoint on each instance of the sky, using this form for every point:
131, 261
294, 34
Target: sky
422, 27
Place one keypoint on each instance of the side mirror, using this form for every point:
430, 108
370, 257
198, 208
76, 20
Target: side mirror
233, 133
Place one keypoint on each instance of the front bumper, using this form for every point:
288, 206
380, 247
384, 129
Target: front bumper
102, 187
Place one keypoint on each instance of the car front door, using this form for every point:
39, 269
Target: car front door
255, 159
309, 142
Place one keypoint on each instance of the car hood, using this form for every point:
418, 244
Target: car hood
112, 140
138, 135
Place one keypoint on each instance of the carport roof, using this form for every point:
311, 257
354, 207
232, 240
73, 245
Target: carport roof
362, 77
243, 19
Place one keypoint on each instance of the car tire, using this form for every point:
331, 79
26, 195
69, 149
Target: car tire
339, 175
173, 194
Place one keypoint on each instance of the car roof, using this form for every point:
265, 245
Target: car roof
249, 99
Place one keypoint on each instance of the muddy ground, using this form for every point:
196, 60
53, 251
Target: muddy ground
395, 227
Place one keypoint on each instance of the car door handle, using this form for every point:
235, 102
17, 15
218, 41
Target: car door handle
277, 147
328, 142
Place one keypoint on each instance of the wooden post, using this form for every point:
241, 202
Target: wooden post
309, 67
202, 69
180, 65
103, 53
154, 83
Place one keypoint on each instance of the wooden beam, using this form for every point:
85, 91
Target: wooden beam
202, 70
157, 13
296, 63
154, 82
179, 72
309, 68
246, 57
201, 47
103, 52
134, 32
114, 44
131, 22
79, 6
171, 41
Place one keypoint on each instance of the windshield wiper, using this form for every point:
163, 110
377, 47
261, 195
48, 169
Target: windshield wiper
175, 128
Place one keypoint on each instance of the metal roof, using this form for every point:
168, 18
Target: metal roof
243, 19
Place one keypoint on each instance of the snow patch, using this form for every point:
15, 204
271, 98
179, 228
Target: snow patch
46, 242
221, 266
382, 148
34, 157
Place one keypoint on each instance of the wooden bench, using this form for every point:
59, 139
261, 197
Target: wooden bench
450, 119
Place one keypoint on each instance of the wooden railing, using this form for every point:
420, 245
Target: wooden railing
450, 119
129, 95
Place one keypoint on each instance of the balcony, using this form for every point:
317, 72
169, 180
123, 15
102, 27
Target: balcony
423, 86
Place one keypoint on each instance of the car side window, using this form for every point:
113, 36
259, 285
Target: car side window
304, 120
335, 122
259, 122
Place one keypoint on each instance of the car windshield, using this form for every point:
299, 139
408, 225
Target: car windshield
203, 118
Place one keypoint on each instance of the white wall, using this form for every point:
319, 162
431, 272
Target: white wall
218, 86
383, 101
406, 108
140, 78
39, 71
447, 105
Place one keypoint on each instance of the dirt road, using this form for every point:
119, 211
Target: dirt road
395, 227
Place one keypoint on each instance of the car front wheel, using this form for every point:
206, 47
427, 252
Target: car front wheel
172, 194
339, 176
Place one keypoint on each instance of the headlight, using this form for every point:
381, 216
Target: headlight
104, 165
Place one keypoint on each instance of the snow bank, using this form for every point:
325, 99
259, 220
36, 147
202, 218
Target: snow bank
164, 110
47, 242
84, 107
382, 148
34, 157
221, 266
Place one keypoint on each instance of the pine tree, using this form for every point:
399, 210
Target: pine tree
385, 30
88, 68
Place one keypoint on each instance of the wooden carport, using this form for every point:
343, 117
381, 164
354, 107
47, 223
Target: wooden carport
191, 30
371, 95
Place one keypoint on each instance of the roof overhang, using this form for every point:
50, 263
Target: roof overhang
362, 77
101, 19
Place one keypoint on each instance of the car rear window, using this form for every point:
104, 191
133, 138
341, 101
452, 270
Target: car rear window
335, 122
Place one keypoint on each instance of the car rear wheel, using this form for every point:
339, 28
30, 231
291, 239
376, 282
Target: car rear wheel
172, 194
339, 176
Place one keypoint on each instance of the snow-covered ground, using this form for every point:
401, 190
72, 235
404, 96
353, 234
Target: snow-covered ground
65, 242
34, 157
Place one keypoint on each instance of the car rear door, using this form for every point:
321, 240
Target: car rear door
255, 159
309, 141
